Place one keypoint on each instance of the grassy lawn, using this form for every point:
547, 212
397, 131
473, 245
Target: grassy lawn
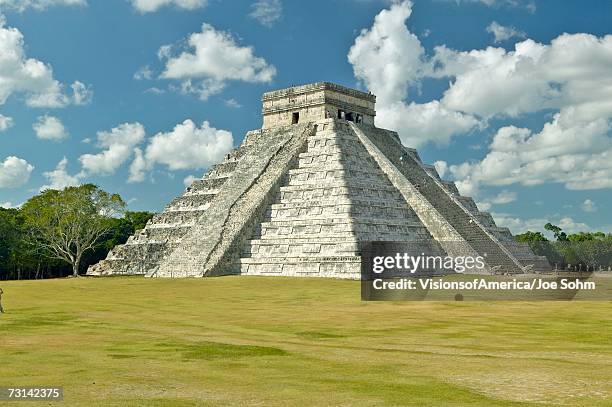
294, 342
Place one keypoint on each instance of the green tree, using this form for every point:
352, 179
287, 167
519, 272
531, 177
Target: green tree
586, 236
66, 224
557, 232
530, 236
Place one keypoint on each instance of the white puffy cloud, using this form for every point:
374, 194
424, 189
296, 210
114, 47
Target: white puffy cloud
49, 128
188, 146
441, 168
421, 122
138, 168
588, 206
31, 77
59, 177
81, 93
22, 5
504, 197
267, 12
188, 180
14, 172
213, 58
148, 6
233, 103
573, 70
570, 76
528, 5
8, 205
143, 73
5, 122
577, 154
502, 33
519, 225
155, 91
118, 145
389, 59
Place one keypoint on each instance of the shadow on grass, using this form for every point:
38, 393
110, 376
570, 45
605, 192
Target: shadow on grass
36, 322
198, 351
318, 335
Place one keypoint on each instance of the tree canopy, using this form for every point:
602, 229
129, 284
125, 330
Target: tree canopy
57, 233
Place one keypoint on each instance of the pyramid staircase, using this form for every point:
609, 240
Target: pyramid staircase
335, 198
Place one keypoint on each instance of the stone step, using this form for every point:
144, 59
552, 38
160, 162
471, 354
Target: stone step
343, 211
264, 248
350, 185
356, 156
395, 202
310, 163
327, 177
336, 267
381, 230
190, 202
364, 171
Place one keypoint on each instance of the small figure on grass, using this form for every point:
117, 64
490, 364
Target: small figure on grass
1, 309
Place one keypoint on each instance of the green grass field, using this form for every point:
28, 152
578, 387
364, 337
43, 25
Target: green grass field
296, 342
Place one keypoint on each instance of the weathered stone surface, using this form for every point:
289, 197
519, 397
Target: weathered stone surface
297, 199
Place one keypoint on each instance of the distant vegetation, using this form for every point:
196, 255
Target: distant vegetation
576, 251
61, 233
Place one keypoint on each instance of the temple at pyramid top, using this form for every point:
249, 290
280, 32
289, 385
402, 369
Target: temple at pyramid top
316, 101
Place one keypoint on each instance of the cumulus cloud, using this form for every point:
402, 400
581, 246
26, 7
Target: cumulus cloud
570, 76
188, 146
188, 180
519, 225
267, 12
420, 122
532, 77
118, 145
212, 59
138, 168
588, 206
14, 172
502, 33
49, 128
31, 77
388, 59
233, 103
441, 168
143, 73
5, 122
59, 177
22, 5
155, 91
81, 93
577, 154
504, 197
148, 6
528, 5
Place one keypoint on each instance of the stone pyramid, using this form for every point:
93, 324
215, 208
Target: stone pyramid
299, 196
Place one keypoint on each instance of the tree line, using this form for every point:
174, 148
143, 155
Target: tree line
582, 251
61, 233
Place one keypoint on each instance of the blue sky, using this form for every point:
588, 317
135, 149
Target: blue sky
110, 102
